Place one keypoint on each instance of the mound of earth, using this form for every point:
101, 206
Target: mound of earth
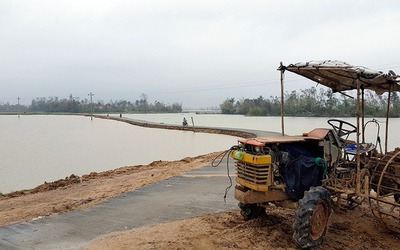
348, 230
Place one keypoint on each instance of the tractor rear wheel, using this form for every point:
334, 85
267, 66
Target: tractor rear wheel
312, 217
251, 211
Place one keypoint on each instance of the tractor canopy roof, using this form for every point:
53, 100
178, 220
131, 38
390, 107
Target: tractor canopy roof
341, 76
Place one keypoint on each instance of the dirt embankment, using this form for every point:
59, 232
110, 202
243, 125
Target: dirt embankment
220, 131
356, 229
75, 192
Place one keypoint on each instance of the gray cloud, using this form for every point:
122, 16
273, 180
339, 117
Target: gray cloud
194, 52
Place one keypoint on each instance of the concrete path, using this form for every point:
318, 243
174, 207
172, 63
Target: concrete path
188, 195
247, 133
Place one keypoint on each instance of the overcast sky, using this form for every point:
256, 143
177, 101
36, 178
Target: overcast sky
197, 53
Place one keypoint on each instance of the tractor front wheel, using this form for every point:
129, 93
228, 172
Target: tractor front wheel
251, 211
312, 217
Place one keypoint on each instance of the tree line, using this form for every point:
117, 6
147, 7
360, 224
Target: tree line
307, 102
75, 105
312, 102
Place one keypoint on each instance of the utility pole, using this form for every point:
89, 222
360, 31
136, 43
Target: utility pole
18, 105
91, 105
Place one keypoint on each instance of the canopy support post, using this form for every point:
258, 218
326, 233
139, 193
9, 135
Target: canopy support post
358, 180
363, 114
282, 101
387, 118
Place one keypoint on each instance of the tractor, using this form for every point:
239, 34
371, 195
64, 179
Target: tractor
322, 169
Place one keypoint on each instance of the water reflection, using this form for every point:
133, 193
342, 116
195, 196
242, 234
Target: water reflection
45, 148
42, 148
293, 125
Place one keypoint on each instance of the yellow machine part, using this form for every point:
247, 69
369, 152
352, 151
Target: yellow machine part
253, 171
253, 186
257, 160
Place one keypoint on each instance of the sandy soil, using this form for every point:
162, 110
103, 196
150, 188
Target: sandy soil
355, 229
348, 230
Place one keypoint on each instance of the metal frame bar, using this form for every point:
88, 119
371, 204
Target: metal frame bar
282, 100
358, 181
387, 117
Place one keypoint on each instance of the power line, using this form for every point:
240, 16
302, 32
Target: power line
216, 86
193, 89
207, 88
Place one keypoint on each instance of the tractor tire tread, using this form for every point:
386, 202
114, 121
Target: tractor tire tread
302, 224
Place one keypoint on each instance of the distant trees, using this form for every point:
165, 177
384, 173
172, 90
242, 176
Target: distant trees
306, 102
7, 107
228, 106
75, 105
312, 102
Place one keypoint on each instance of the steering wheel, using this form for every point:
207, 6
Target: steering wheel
342, 128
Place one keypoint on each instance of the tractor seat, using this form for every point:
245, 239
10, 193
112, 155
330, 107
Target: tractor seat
350, 151
364, 148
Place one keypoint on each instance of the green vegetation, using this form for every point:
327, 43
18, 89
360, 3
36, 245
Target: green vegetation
74, 105
307, 102
310, 102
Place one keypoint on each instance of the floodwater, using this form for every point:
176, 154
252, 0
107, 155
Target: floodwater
40, 148
293, 125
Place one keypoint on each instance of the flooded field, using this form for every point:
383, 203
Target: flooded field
45, 148
35, 149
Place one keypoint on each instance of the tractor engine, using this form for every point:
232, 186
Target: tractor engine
285, 164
